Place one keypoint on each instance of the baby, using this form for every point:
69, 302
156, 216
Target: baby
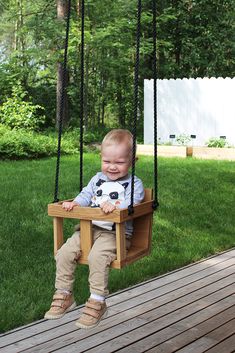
109, 189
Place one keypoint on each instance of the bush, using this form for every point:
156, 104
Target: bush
217, 142
18, 144
183, 139
17, 113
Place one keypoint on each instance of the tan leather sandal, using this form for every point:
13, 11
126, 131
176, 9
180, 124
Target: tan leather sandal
93, 312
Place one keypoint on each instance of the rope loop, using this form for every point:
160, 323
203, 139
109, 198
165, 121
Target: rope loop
155, 203
130, 210
82, 92
61, 108
135, 109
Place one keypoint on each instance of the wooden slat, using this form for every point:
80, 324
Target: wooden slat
120, 243
167, 311
139, 210
157, 287
86, 239
58, 233
107, 326
210, 339
129, 331
191, 307
224, 347
90, 213
173, 337
162, 285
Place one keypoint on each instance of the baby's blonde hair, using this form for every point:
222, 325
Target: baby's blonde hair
118, 136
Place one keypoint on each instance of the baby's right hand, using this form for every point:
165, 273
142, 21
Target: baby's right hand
69, 205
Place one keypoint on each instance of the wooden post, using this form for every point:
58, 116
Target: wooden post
120, 242
58, 233
189, 151
86, 239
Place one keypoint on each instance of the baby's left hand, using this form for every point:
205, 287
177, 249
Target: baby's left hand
107, 207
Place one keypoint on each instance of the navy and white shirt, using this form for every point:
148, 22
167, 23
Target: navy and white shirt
100, 189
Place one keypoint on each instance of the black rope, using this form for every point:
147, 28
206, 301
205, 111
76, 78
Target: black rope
135, 110
155, 201
82, 92
61, 108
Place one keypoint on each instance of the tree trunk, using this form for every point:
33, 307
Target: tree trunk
103, 112
62, 12
121, 106
86, 83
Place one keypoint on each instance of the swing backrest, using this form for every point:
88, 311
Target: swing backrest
142, 236
143, 226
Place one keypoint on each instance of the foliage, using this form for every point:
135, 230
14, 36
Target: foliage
17, 113
183, 139
21, 144
194, 39
89, 137
217, 142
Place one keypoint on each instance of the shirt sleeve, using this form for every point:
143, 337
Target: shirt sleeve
138, 194
84, 198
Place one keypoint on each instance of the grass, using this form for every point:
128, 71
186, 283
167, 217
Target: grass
196, 218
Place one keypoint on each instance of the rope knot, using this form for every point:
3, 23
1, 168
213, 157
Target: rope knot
155, 204
130, 210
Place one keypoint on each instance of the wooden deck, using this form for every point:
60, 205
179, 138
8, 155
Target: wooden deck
191, 310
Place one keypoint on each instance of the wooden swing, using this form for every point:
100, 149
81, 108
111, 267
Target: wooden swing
141, 240
141, 214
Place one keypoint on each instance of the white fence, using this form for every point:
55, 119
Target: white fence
204, 108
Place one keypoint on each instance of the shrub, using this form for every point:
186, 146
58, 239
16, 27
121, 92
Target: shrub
17, 144
17, 113
183, 139
217, 142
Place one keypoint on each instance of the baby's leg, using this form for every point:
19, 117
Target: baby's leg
66, 262
102, 253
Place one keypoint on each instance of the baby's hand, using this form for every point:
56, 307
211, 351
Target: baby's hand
107, 207
68, 206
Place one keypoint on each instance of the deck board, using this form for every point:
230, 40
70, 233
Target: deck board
188, 310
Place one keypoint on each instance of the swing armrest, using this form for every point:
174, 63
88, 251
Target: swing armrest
90, 213
142, 228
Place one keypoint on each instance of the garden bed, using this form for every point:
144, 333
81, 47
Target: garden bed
163, 151
183, 151
212, 153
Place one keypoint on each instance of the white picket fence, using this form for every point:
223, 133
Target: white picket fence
203, 107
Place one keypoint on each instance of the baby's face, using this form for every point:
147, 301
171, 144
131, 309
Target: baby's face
115, 161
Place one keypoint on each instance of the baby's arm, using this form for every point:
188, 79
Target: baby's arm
83, 199
69, 205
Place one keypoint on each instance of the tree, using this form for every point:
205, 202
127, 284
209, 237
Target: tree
194, 38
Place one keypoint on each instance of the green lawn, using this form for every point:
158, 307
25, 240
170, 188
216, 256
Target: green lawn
196, 218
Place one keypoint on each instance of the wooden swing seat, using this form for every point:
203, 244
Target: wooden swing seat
141, 240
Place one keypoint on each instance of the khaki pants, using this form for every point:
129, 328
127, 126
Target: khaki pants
102, 253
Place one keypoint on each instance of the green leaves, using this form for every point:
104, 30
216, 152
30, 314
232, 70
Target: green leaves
18, 113
194, 39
